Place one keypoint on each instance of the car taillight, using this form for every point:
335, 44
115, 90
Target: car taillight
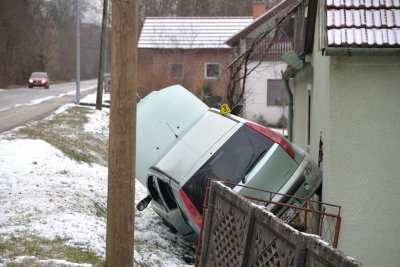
273, 136
191, 209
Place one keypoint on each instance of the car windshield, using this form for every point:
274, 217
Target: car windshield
230, 163
39, 75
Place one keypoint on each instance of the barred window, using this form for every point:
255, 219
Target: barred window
211, 70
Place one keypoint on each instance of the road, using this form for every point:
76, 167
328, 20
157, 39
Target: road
21, 105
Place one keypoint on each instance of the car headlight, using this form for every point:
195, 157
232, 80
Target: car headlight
43, 81
30, 80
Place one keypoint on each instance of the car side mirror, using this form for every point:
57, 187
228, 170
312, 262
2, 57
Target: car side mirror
236, 110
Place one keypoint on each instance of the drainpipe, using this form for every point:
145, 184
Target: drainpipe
290, 109
294, 65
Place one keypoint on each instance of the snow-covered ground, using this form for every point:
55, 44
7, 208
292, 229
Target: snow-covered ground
45, 194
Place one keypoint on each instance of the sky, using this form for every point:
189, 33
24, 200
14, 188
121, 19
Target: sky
46, 194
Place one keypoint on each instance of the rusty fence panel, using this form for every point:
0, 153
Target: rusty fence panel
238, 232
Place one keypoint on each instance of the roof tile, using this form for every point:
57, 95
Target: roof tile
190, 32
363, 23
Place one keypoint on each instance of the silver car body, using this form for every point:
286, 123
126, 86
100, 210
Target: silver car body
179, 139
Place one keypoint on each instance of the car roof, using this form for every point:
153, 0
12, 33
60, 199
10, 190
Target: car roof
197, 146
163, 117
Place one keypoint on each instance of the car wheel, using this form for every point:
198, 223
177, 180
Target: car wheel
30, 86
47, 87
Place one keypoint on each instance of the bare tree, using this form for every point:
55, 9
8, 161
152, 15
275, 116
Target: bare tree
195, 8
38, 35
16, 26
257, 51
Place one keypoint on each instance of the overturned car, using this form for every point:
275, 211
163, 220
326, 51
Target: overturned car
181, 143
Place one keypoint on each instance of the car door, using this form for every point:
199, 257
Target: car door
163, 191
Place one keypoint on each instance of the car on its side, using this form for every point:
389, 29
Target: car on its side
181, 143
39, 79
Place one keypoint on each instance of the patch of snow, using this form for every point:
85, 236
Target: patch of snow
44, 193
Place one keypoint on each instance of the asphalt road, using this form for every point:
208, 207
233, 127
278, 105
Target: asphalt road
21, 105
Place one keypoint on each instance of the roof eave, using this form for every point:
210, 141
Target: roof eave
310, 26
361, 51
259, 21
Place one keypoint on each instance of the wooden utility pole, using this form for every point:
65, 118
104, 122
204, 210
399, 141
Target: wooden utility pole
122, 146
100, 81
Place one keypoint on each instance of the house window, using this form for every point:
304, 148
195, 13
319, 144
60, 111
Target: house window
276, 95
175, 70
211, 70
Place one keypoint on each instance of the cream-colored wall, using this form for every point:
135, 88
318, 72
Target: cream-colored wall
299, 90
316, 75
356, 105
362, 172
256, 92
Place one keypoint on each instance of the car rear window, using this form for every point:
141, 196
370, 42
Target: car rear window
230, 163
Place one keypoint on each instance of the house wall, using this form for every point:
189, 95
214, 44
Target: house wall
362, 170
256, 92
299, 91
153, 69
355, 104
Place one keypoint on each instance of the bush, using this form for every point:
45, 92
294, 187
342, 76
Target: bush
282, 122
208, 97
261, 120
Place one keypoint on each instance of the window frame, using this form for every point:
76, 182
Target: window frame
273, 83
206, 72
171, 72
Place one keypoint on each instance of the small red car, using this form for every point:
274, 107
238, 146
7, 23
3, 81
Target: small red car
39, 79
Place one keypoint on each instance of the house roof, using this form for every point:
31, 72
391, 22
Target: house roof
363, 23
190, 32
264, 19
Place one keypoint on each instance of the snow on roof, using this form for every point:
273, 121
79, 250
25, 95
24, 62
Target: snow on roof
190, 32
363, 23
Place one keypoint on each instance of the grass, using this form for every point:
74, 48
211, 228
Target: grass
37, 251
64, 131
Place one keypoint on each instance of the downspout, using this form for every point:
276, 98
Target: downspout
290, 109
294, 65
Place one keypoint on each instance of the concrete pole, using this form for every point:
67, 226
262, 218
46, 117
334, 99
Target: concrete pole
77, 51
122, 140
99, 98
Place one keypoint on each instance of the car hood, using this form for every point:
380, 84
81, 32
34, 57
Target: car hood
163, 117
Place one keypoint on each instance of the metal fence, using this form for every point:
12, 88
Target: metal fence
314, 217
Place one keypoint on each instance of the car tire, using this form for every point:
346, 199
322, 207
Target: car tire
30, 86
